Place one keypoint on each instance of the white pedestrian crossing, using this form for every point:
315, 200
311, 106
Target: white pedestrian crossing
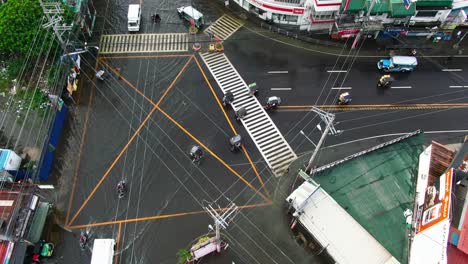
224, 27
264, 133
140, 43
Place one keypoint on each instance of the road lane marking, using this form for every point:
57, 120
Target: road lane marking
333, 71
401, 87
342, 88
458, 86
452, 70
273, 72
281, 89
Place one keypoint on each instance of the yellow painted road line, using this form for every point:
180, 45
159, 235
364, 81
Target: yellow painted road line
83, 139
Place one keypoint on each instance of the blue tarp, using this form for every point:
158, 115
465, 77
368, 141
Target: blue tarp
51, 144
48, 151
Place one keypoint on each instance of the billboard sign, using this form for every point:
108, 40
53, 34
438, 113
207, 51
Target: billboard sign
436, 205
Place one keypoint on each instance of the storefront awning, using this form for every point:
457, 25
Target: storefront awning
438, 3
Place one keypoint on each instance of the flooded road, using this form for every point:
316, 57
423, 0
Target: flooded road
139, 126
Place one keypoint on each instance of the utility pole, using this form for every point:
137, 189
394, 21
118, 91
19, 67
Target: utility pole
53, 11
328, 118
365, 24
221, 221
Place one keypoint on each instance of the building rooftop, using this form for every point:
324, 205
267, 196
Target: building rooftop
376, 188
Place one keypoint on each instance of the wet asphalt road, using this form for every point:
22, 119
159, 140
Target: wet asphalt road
162, 211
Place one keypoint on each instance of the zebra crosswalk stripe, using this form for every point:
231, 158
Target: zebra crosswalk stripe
224, 27
140, 43
258, 124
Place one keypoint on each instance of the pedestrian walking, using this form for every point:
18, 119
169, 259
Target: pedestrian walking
226, 3
118, 73
459, 33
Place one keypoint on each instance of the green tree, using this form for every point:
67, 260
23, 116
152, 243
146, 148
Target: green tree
19, 22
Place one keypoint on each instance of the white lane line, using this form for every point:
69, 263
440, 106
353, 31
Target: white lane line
336, 71
452, 70
273, 72
458, 86
342, 88
401, 87
281, 89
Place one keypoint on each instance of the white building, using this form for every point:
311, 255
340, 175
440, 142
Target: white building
314, 15
306, 14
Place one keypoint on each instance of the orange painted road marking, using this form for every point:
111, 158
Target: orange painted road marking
213, 154
113, 164
158, 217
83, 137
128, 143
142, 94
232, 127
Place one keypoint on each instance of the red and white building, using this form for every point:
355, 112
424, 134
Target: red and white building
306, 14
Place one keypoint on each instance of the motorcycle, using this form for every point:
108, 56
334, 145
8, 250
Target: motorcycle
235, 142
99, 75
272, 102
228, 98
385, 81
155, 18
121, 188
84, 238
196, 153
345, 98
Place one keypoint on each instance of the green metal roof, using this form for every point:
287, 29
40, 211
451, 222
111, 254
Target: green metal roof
439, 3
354, 5
376, 188
397, 9
383, 6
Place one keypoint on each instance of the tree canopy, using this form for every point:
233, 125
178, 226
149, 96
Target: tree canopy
19, 22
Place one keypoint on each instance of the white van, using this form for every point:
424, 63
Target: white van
134, 17
188, 13
103, 251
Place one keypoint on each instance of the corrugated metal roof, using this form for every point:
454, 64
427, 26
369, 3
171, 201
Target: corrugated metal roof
376, 188
441, 158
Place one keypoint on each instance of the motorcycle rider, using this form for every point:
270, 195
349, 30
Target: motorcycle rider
272, 102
